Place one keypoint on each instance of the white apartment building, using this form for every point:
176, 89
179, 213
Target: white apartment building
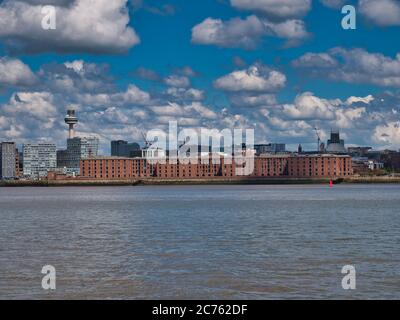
39, 159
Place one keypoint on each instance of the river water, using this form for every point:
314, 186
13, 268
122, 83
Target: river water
200, 242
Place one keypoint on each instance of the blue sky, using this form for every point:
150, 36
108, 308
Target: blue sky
281, 67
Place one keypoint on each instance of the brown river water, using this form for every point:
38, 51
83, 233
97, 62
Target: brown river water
200, 242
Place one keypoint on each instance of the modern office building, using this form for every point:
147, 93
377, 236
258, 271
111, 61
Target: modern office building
77, 149
8, 156
270, 148
121, 148
39, 159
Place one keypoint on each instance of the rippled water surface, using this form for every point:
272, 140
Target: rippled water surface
200, 242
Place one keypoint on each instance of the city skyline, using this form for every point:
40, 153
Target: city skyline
277, 72
73, 136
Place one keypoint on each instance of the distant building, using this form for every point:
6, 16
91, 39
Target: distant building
365, 166
375, 165
300, 149
39, 159
335, 144
77, 149
270, 148
8, 156
153, 153
390, 158
322, 148
121, 148
18, 166
359, 151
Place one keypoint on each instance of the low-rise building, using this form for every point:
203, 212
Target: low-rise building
375, 165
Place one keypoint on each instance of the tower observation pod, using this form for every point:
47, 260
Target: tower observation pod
71, 120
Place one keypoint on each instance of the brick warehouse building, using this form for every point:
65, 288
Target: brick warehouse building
267, 166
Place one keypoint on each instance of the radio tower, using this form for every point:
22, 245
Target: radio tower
71, 120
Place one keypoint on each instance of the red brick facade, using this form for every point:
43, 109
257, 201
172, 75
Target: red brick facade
285, 166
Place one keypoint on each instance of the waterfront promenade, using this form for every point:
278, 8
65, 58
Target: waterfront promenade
201, 181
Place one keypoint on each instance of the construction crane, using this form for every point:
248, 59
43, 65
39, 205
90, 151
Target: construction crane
147, 143
319, 139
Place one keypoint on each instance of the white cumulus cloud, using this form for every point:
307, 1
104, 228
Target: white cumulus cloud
247, 33
99, 26
388, 134
243, 33
352, 66
276, 8
14, 72
256, 78
177, 81
334, 4
382, 12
